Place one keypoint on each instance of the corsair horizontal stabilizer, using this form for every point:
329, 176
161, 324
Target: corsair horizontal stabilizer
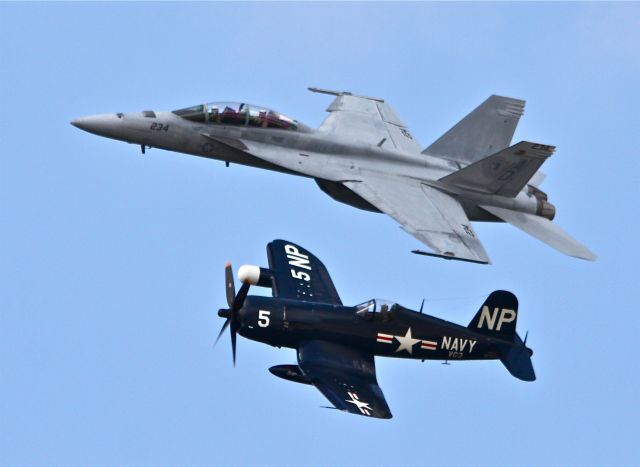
504, 173
486, 130
517, 359
544, 230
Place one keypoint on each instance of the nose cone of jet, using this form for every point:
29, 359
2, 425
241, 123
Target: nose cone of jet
104, 125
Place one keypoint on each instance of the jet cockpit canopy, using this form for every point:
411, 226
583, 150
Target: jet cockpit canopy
377, 310
239, 114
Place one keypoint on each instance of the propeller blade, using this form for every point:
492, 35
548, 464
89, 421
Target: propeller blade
222, 329
235, 303
233, 342
239, 299
525, 338
229, 284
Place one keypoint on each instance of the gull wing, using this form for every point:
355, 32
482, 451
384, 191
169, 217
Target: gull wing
345, 376
298, 274
432, 216
367, 119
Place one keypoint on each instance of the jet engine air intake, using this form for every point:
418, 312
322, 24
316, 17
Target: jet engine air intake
545, 208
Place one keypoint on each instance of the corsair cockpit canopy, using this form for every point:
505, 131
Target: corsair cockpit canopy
240, 114
377, 309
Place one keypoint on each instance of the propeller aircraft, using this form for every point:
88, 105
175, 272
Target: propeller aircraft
336, 343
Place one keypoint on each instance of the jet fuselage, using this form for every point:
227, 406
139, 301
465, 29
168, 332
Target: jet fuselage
165, 130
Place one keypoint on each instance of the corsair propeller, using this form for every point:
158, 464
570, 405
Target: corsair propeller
235, 302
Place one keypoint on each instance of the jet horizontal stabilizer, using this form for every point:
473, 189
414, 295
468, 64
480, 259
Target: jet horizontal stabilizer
504, 173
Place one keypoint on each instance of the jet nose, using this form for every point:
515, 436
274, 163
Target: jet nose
103, 125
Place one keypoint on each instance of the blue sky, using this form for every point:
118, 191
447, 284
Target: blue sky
111, 263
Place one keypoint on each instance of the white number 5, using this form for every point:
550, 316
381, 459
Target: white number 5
263, 318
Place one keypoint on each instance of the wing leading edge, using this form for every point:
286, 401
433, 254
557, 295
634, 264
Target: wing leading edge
345, 376
431, 216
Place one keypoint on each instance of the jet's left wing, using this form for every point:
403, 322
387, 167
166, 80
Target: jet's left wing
345, 376
432, 216
298, 274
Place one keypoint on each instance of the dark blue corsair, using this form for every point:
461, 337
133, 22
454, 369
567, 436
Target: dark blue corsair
336, 344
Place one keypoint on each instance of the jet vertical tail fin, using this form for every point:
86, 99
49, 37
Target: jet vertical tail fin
486, 130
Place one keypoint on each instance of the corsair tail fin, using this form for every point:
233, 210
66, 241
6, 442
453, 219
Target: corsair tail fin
497, 316
486, 130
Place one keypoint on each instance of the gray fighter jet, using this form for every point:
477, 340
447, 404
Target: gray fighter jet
364, 155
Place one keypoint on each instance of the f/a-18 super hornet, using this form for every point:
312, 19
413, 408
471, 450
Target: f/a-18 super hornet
364, 155
336, 344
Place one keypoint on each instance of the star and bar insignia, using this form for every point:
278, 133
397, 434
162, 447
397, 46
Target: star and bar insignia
406, 342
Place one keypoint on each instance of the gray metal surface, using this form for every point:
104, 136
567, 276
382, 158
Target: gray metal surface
544, 230
364, 155
486, 130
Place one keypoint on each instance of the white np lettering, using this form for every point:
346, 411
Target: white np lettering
487, 317
506, 316
296, 258
503, 316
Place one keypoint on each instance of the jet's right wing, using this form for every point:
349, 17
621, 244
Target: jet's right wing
432, 216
